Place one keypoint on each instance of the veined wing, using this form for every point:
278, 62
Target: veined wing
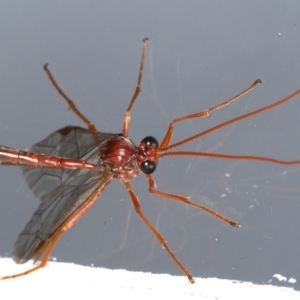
53, 212
71, 142
62, 191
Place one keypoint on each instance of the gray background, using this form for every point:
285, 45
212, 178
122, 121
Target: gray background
199, 54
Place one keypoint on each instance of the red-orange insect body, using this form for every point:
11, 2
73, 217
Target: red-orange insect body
120, 154
69, 169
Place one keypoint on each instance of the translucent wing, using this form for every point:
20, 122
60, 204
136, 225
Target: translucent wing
62, 191
71, 142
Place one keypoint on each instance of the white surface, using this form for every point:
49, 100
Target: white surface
66, 280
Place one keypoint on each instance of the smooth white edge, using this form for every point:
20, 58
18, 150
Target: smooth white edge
66, 280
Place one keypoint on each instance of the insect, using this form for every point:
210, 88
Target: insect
68, 170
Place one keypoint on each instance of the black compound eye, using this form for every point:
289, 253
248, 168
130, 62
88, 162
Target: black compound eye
148, 167
151, 141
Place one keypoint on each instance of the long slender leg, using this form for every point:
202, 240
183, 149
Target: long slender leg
127, 115
71, 104
231, 121
205, 113
137, 207
186, 200
49, 247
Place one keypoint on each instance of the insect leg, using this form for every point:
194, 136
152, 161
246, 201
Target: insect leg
187, 201
137, 207
231, 121
49, 245
71, 104
127, 115
46, 246
205, 113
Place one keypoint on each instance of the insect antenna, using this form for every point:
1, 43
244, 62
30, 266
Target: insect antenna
163, 148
